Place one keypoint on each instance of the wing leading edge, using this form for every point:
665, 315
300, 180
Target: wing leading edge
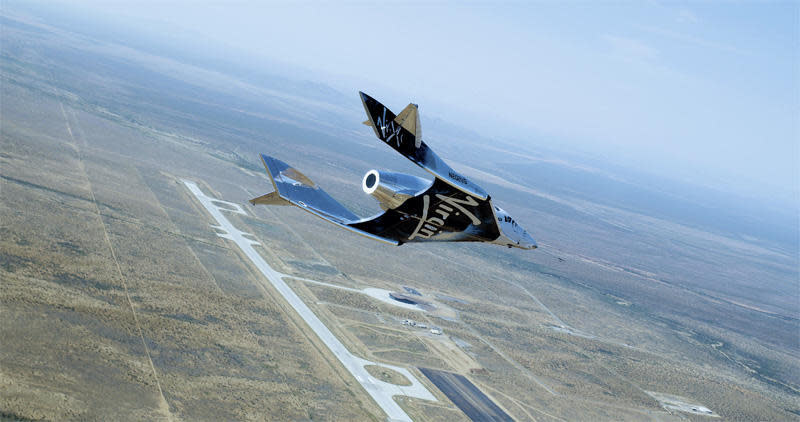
451, 209
440, 213
295, 188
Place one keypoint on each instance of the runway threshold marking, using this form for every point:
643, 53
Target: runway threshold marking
380, 391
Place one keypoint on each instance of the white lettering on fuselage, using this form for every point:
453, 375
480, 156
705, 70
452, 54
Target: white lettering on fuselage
429, 226
458, 203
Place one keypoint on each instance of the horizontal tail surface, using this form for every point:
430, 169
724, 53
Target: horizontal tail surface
271, 198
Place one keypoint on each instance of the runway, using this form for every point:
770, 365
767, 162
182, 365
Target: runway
380, 391
466, 396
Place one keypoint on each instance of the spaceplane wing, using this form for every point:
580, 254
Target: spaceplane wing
449, 208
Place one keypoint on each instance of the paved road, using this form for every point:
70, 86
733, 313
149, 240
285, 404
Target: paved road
380, 391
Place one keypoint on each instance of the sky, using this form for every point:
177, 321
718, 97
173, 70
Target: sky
707, 91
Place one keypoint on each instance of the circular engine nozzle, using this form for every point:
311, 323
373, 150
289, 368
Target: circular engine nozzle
392, 189
371, 181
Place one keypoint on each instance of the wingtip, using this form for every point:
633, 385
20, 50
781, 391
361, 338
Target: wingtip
268, 160
364, 97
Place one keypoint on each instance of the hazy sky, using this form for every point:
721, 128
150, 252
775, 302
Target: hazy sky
706, 89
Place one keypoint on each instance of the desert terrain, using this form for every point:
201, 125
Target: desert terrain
646, 298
